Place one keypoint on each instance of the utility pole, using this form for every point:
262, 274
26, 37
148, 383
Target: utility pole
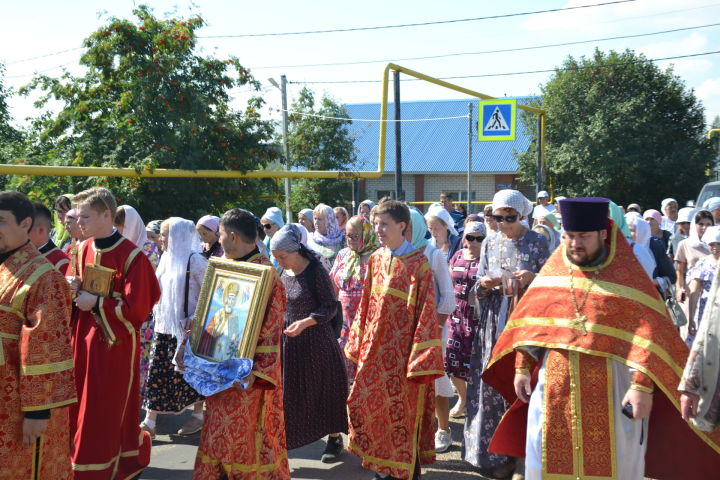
286, 148
470, 140
398, 155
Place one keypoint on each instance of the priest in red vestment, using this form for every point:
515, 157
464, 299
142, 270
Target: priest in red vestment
244, 433
108, 443
36, 367
395, 342
40, 237
597, 363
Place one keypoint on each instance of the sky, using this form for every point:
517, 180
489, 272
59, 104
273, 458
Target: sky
34, 28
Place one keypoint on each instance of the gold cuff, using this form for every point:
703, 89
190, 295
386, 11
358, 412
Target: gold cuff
519, 371
642, 388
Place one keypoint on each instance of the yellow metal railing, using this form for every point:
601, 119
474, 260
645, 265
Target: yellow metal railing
65, 171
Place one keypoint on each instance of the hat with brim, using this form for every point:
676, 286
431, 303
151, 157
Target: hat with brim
587, 214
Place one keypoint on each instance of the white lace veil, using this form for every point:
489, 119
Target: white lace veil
183, 240
134, 228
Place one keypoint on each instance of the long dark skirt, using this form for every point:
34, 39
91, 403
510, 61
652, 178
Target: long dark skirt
165, 389
485, 406
315, 386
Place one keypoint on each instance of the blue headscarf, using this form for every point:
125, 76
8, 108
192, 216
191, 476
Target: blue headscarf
419, 229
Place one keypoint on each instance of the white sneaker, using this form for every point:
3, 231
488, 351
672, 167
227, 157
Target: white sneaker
442, 441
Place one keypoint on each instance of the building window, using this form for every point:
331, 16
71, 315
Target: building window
460, 197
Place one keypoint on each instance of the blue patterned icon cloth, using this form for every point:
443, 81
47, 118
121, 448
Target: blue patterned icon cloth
208, 377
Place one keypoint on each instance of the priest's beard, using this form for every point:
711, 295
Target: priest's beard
588, 257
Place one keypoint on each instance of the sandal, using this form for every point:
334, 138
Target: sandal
458, 411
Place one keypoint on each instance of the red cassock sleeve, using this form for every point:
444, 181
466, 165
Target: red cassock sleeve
46, 357
139, 292
425, 362
267, 365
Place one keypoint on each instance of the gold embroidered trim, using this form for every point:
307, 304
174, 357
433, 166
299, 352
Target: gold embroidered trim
5, 308
49, 406
105, 324
596, 328
382, 289
602, 288
240, 467
267, 349
424, 345
46, 368
641, 388
426, 372
95, 467
129, 260
265, 377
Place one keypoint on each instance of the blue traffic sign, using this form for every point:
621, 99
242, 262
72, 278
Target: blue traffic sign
497, 119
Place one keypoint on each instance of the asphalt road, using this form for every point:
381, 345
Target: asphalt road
173, 458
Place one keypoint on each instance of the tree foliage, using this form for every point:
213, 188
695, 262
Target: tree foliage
148, 101
619, 126
318, 143
10, 137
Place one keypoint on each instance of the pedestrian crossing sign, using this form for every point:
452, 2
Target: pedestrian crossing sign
496, 119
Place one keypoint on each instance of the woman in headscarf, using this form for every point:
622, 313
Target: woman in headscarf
640, 242
341, 215
128, 222
305, 218
442, 229
654, 219
208, 227
445, 304
152, 230
60, 235
700, 382
509, 262
327, 239
348, 274
132, 227
365, 208
180, 274
315, 384
271, 222
691, 250
463, 321
700, 278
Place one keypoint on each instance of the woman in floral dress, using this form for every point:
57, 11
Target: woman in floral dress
509, 261
701, 277
463, 321
348, 275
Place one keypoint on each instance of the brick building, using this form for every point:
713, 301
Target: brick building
434, 152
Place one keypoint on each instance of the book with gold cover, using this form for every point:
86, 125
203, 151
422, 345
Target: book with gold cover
98, 280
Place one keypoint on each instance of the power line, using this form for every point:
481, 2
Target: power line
43, 56
483, 52
41, 71
421, 24
510, 73
376, 120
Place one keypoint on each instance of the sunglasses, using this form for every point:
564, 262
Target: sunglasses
267, 226
473, 238
508, 219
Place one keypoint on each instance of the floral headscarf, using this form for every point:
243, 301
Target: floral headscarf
368, 244
334, 235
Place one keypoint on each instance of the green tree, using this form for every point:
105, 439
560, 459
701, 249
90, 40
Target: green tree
148, 101
619, 126
318, 142
10, 137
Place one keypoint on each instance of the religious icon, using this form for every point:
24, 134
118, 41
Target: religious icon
230, 309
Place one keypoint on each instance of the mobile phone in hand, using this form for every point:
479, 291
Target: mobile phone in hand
627, 410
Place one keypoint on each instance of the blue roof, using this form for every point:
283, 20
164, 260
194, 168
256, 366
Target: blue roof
437, 146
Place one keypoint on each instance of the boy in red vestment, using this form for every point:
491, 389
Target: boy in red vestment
36, 368
395, 341
244, 433
108, 443
40, 237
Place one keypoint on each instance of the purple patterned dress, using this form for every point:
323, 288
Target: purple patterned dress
462, 324
704, 270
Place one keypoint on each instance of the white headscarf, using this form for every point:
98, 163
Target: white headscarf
694, 237
437, 210
183, 240
512, 199
134, 228
642, 228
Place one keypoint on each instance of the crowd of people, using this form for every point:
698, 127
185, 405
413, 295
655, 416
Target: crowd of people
579, 337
